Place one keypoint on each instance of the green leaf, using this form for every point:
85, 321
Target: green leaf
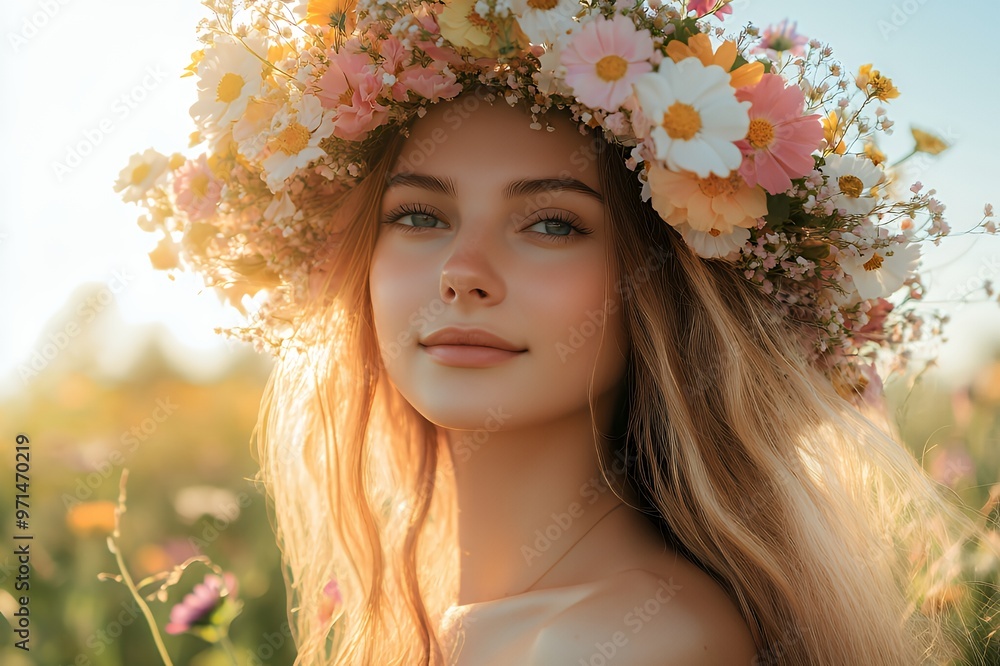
779, 208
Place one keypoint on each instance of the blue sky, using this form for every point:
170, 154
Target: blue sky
105, 82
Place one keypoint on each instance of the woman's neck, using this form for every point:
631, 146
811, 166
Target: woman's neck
526, 496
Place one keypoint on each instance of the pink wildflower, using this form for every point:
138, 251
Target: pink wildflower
394, 54
346, 70
351, 85
875, 328
197, 189
428, 83
780, 38
331, 601
603, 59
197, 607
703, 7
780, 142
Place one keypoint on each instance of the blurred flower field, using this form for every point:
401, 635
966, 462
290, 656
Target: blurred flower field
190, 494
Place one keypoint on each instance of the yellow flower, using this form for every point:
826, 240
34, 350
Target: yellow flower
928, 143
700, 46
874, 154
464, 27
833, 133
877, 86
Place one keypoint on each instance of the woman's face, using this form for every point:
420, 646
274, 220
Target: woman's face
481, 256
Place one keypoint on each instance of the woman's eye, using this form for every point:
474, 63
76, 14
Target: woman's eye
560, 227
421, 217
556, 228
420, 220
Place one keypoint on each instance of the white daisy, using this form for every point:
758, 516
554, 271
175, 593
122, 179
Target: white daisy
851, 179
880, 272
141, 174
545, 21
696, 116
296, 132
228, 76
714, 243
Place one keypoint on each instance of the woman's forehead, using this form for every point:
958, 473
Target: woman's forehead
470, 137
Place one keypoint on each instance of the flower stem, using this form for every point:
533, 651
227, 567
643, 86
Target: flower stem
229, 648
161, 648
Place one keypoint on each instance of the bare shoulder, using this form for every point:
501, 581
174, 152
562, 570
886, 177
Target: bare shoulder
679, 617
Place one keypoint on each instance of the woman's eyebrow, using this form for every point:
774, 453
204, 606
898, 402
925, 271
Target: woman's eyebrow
522, 187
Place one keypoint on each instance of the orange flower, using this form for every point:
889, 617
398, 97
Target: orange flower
332, 13
713, 205
700, 46
91, 518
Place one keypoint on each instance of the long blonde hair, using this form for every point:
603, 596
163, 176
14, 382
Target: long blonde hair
807, 511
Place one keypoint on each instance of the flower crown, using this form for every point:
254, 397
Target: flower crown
758, 148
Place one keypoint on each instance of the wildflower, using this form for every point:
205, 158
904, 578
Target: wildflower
874, 84
833, 132
700, 46
604, 58
96, 517
780, 142
696, 117
713, 244
197, 191
429, 83
779, 39
295, 136
141, 174
228, 76
339, 13
211, 605
165, 255
545, 22
464, 27
873, 153
879, 272
704, 7
710, 204
852, 179
927, 142
331, 600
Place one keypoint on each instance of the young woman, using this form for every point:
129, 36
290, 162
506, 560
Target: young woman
629, 459
539, 411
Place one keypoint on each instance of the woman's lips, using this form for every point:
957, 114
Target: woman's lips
469, 356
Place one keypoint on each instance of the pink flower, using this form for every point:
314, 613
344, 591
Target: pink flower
364, 114
603, 59
342, 77
780, 38
780, 141
351, 85
394, 54
197, 607
702, 7
197, 189
428, 83
331, 601
875, 328
951, 464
